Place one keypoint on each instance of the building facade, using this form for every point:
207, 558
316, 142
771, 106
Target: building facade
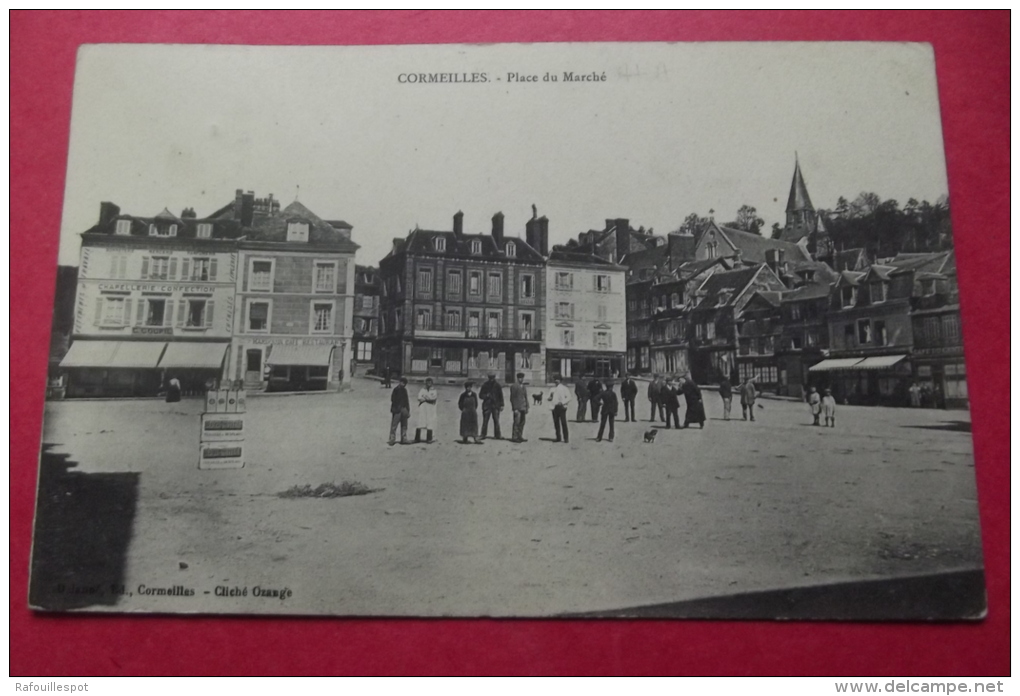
367, 291
154, 301
939, 367
293, 326
458, 305
586, 316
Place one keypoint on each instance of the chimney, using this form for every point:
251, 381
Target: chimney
458, 223
739, 253
107, 212
774, 259
497, 230
238, 195
536, 234
188, 213
675, 251
247, 208
622, 237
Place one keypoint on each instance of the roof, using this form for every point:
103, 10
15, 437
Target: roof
813, 291
799, 198
165, 214
753, 246
850, 277
421, 241
725, 281
273, 228
578, 258
881, 271
849, 259
772, 297
937, 262
647, 258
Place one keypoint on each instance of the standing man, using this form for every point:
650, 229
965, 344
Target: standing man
492, 405
695, 412
610, 407
655, 396
814, 402
400, 408
628, 392
829, 407
748, 394
386, 377
581, 392
559, 398
428, 397
519, 406
594, 392
669, 398
726, 392
915, 395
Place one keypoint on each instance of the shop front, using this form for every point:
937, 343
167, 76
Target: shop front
289, 364
572, 364
873, 380
98, 369
198, 366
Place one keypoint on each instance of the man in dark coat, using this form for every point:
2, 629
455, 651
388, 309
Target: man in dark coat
519, 406
400, 408
610, 407
655, 396
669, 397
726, 393
594, 392
695, 406
491, 394
581, 392
628, 392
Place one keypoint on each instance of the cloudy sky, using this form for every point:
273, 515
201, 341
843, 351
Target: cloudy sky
673, 129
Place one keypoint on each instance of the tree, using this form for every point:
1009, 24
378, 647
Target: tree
692, 225
776, 230
747, 220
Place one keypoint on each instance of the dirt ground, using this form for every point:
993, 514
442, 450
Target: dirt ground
501, 529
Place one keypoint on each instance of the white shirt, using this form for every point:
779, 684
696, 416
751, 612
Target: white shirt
560, 395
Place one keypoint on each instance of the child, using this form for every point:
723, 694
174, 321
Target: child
814, 403
829, 407
468, 405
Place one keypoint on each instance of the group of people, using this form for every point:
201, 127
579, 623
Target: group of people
664, 396
822, 403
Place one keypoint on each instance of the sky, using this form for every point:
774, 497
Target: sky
672, 129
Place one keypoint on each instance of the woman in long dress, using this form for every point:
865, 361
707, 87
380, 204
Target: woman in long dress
468, 405
427, 399
695, 405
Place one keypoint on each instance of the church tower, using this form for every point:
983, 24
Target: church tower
800, 214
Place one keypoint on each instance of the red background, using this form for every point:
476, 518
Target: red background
972, 58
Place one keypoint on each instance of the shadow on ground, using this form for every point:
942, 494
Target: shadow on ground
941, 597
950, 426
82, 530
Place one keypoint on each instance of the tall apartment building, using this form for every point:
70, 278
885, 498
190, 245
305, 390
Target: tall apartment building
457, 305
367, 291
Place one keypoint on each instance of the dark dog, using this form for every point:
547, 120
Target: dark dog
650, 435
536, 398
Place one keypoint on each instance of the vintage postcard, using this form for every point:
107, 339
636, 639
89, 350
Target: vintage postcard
593, 330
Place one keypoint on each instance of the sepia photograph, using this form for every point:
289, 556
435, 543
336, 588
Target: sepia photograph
550, 330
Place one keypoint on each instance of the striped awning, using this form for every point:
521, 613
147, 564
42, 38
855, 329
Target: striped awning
300, 355
127, 354
194, 355
835, 364
880, 362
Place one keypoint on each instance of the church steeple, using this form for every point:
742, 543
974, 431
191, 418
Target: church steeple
800, 213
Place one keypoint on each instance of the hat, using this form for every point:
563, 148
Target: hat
492, 375
469, 383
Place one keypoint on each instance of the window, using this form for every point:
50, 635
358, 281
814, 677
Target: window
951, 329
568, 338
495, 286
601, 283
453, 320
881, 338
113, 313
848, 296
674, 300
603, 312
162, 230
425, 281
564, 281
795, 312
322, 317
475, 283
118, 266
796, 343
436, 358
297, 231
848, 334
527, 286
494, 323
156, 313
198, 269
453, 282
195, 314
261, 276
364, 351
476, 246
423, 318
878, 292
325, 276
564, 310
710, 330
928, 287
511, 249
603, 340
439, 243
474, 324
713, 249
258, 316
864, 332
156, 268
123, 227
527, 325
204, 230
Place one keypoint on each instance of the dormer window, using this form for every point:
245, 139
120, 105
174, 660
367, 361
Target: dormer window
476, 246
123, 227
297, 231
848, 296
511, 249
439, 243
204, 230
162, 230
878, 292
